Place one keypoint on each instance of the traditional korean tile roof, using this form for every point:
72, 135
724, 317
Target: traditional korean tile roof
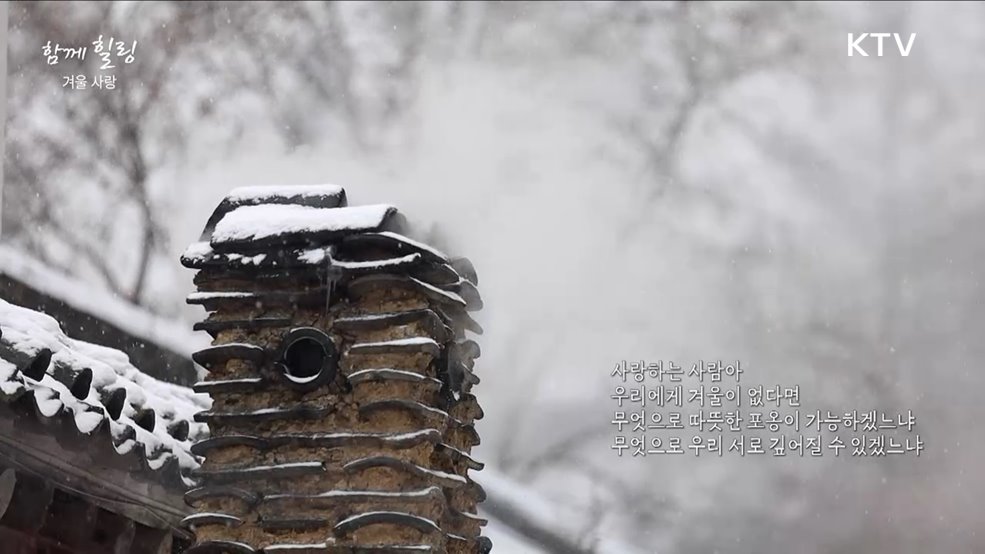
96, 393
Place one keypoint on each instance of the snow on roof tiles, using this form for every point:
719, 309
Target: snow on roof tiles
289, 223
73, 379
316, 196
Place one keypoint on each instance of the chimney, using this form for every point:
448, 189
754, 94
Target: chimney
341, 377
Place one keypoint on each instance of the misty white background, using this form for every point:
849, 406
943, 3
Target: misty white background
632, 181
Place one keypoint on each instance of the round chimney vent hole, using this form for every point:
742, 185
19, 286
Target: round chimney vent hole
304, 358
308, 357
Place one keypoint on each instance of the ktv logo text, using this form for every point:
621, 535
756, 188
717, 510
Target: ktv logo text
877, 42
